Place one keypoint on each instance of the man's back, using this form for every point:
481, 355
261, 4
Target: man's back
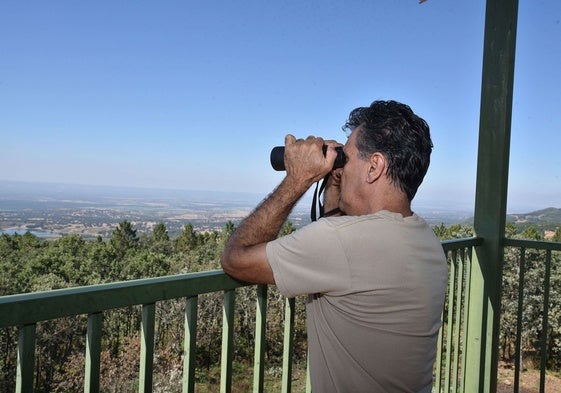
378, 284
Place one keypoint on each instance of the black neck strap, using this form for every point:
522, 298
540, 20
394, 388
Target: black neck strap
316, 201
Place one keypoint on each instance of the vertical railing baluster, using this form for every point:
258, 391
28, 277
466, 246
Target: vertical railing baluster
93, 353
545, 321
147, 348
458, 319
437, 383
519, 314
467, 268
190, 344
227, 341
450, 320
288, 350
308, 378
26, 358
260, 333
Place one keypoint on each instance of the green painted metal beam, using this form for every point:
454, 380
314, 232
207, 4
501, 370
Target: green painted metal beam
545, 321
308, 377
437, 383
190, 344
26, 358
28, 308
450, 321
533, 244
93, 353
459, 258
288, 347
227, 341
468, 265
491, 193
147, 331
260, 342
458, 244
519, 315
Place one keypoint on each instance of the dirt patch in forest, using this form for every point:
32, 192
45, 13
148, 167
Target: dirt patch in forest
529, 381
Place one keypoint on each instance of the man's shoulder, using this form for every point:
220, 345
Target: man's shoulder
380, 217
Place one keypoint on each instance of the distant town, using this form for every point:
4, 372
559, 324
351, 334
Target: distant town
54, 210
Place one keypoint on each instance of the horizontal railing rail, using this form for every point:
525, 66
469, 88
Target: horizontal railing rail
27, 308
34, 307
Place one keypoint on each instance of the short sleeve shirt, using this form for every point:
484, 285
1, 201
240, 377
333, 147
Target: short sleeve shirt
376, 286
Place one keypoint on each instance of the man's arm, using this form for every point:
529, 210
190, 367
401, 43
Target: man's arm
245, 256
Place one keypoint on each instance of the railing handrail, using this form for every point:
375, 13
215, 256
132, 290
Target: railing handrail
534, 244
455, 244
28, 308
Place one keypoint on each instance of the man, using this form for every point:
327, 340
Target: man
374, 270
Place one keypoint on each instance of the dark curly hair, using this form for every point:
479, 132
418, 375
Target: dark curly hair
392, 129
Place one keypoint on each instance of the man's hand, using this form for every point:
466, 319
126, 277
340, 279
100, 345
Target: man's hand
332, 192
304, 159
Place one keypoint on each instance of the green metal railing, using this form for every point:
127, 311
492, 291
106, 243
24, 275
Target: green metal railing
454, 341
450, 360
547, 248
26, 310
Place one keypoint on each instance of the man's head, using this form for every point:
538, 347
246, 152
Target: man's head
403, 138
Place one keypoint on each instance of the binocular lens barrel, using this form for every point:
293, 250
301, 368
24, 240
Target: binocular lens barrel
277, 158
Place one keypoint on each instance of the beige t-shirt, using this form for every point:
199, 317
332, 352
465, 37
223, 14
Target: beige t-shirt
376, 285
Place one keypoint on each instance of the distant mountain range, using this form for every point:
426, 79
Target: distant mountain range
550, 215
544, 219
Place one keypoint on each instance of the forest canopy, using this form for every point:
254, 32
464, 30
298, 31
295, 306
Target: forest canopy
31, 264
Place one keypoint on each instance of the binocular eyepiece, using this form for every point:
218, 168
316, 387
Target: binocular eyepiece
277, 157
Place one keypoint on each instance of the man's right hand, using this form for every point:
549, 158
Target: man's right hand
304, 159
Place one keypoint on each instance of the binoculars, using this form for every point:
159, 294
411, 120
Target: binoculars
277, 157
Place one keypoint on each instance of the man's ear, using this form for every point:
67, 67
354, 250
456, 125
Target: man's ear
376, 167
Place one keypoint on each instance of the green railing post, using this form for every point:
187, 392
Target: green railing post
147, 348
26, 358
260, 330
491, 192
468, 264
519, 314
289, 311
458, 318
93, 353
449, 320
437, 383
227, 341
477, 331
190, 344
308, 377
545, 321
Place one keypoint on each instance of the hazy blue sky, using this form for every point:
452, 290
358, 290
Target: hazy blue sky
193, 95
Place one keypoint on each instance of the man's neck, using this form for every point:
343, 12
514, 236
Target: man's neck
395, 202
